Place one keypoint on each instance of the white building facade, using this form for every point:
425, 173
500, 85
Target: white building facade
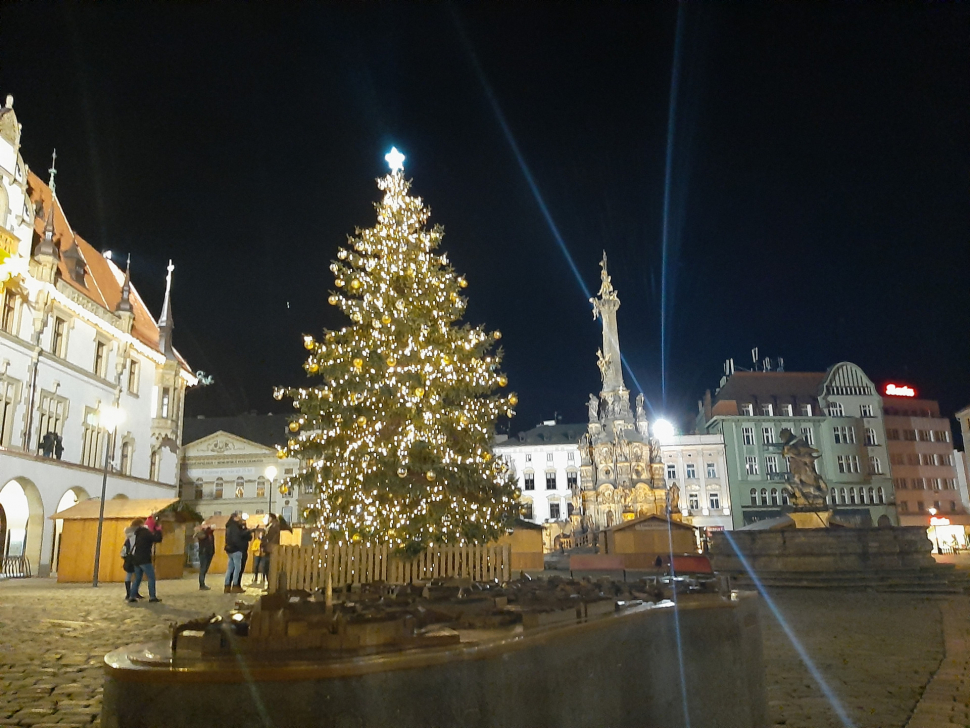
697, 465
77, 344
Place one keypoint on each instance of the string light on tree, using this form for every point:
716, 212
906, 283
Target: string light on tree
394, 429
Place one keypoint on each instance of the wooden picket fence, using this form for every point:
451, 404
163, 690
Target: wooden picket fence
307, 567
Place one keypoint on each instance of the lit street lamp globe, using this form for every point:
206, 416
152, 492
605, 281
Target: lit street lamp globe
664, 431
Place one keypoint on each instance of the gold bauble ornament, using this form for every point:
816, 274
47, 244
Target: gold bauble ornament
294, 426
313, 368
399, 305
513, 400
308, 342
497, 335
362, 420
358, 363
342, 254
354, 285
430, 475
339, 283
281, 454
391, 361
402, 472
355, 537
385, 319
278, 394
419, 392
462, 283
503, 380
445, 359
487, 456
333, 300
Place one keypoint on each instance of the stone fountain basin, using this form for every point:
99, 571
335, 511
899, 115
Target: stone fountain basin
620, 669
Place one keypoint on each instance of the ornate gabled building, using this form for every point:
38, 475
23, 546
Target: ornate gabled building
622, 472
77, 344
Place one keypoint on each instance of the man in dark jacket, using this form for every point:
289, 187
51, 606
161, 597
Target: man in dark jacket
207, 549
147, 534
237, 541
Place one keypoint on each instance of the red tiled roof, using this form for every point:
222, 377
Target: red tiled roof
102, 278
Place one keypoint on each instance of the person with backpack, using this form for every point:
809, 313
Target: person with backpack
128, 559
207, 549
147, 534
237, 542
269, 543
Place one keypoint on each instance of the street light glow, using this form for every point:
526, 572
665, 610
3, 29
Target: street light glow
270, 471
111, 417
663, 430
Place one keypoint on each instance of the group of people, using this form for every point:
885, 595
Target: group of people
241, 541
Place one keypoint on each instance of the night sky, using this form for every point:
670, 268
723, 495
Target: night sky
817, 205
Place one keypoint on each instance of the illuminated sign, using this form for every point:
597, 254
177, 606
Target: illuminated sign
939, 521
900, 390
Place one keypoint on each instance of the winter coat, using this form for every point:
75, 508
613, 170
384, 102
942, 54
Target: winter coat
128, 550
144, 540
237, 536
271, 539
207, 541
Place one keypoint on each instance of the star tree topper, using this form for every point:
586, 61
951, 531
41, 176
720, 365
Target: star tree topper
395, 160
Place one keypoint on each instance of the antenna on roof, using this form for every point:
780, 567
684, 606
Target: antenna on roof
754, 356
52, 170
781, 364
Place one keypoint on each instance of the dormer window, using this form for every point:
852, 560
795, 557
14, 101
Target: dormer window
166, 401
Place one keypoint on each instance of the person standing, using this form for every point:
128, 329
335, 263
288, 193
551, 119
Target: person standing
256, 551
128, 560
237, 541
147, 534
207, 549
269, 543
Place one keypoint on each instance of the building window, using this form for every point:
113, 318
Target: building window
754, 496
924, 436
774, 496
844, 435
711, 470
909, 435
134, 369
771, 464
693, 501
691, 471
751, 465
8, 407
926, 459
570, 457
59, 338
53, 412
126, 451
166, 401
920, 507
527, 510
548, 457
92, 440
220, 490
747, 433
872, 495
199, 492
808, 435
571, 479
852, 496
897, 459
554, 511
865, 410
528, 457
767, 435
892, 434
240, 487
747, 410
881, 494
875, 465
899, 483
848, 463
903, 507
871, 436
714, 498
260, 487
835, 410
8, 312
806, 410
953, 506
100, 358
764, 496
671, 471
786, 410
550, 481
766, 410
155, 465
530, 481
943, 436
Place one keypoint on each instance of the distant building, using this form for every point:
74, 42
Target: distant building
924, 467
963, 475
230, 464
76, 342
696, 463
838, 412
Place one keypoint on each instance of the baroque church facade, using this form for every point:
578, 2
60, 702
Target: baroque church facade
622, 470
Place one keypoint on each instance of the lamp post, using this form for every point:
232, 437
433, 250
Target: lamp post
108, 418
270, 473
936, 536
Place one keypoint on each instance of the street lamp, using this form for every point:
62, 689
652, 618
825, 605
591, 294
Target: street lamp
270, 472
663, 431
107, 418
936, 536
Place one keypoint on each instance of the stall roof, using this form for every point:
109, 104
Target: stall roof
114, 508
653, 520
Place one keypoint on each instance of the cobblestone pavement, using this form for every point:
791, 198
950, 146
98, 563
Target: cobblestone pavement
877, 652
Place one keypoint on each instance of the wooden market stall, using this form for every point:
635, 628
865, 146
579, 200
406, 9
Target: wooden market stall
80, 535
526, 542
639, 541
298, 536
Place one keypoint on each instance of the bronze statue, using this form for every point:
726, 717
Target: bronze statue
807, 487
673, 498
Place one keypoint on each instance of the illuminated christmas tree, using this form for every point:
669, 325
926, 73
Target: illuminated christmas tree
395, 437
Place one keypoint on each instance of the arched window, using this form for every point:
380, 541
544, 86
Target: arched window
764, 496
882, 494
754, 496
872, 496
852, 496
260, 487
862, 495
154, 465
833, 496
199, 493
240, 487
784, 497
125, 463
774, 496
842, 498
219, 488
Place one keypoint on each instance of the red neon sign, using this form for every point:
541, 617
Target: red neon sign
900, 390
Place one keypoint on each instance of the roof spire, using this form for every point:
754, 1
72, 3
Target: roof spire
53, 171
165, 325
46, 245
124, 305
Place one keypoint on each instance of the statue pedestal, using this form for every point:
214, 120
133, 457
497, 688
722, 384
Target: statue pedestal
811, 519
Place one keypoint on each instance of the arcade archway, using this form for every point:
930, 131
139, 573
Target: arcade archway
71, 497
23, 527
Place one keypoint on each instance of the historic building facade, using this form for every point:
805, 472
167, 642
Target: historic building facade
621, 474
77, 346
696, 464
838, 413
